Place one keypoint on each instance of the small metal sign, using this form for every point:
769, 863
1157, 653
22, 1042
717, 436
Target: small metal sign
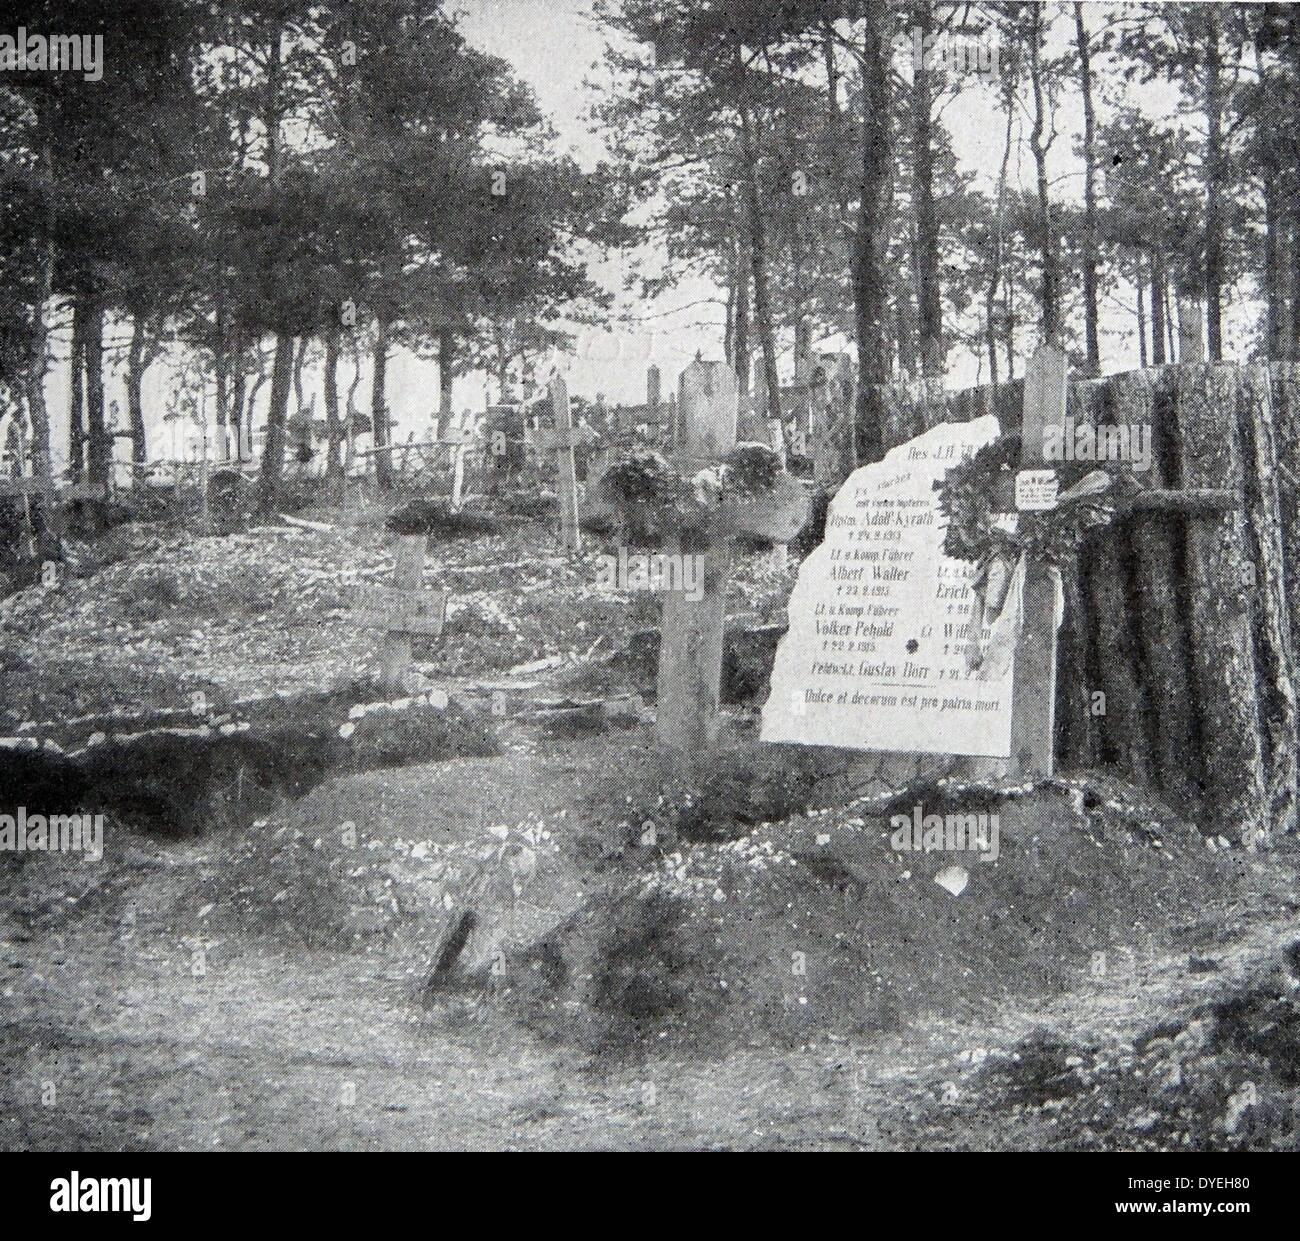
1036, 490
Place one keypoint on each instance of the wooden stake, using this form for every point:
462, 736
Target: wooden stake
457, 476
570, 533
395, 647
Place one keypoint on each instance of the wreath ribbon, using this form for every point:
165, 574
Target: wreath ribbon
999, 589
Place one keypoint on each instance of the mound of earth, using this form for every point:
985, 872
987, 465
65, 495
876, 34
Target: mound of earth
462, 865
389, 862
1225, 1076
841, 922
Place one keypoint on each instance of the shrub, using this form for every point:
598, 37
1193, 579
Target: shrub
437, 519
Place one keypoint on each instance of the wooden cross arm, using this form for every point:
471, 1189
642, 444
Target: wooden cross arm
547, 439
398, 610
1192, 501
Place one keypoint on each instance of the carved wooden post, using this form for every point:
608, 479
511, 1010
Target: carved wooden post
690, 650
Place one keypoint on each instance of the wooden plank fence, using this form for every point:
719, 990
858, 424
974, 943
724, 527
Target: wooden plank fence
1183, 614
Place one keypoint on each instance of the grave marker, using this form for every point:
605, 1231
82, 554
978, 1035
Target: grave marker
562, 442
1033, 694
882, 622
401, 610
834, 450
690, 649
876, 657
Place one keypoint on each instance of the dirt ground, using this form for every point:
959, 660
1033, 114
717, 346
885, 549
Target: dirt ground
275, 1049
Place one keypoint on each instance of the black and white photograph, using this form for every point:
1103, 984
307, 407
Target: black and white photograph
650, 576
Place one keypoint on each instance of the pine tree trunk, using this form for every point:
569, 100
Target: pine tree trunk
1009, 314
997, 261
1142, 317
446, 377
221, 350
1191, 346
740, 344
1169, 320
1157, 308
929, 314
37, 412
77, 402
1213, 183
135, 368
250, 410
379, 406
905, 341
871, 275
1274, 327
1089, 196
757, 244
100, 443
1293, 326
729, 317
333, 421
276, 415
237, 412
353, 414
834, 123
298, 358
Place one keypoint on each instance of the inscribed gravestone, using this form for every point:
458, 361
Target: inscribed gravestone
876, 657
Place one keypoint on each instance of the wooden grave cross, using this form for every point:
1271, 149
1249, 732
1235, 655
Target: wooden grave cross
562, 441
402, 610
691, 642
1033, 675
